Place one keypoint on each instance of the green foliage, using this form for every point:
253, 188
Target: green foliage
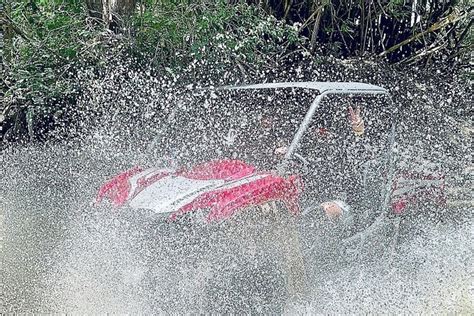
361, 27
176, 32
53, 36
54, 39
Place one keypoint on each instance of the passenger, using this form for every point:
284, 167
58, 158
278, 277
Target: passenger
357, 123
267, 145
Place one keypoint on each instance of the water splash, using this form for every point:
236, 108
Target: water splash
62, 254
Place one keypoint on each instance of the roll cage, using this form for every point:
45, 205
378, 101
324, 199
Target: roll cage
326, 89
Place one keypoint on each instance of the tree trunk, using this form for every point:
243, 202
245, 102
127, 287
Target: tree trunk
95, 8
6, 41
6, 31
111, 12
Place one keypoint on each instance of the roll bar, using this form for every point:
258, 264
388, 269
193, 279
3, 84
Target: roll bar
324, 89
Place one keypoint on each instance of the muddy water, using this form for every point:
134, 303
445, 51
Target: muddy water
46, 199
431, 273
62, 254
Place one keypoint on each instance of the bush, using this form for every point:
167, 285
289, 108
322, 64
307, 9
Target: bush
432, 28
176, 32
48, 43
51, 39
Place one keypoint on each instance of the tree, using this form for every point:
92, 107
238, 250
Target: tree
111, 12
6, 36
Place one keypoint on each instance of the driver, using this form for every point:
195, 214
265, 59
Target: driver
337, 209
355, 119
340, 188
334, 209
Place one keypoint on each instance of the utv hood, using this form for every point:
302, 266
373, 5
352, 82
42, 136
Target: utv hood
222, 188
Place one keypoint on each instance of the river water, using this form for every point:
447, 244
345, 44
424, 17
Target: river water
62, 254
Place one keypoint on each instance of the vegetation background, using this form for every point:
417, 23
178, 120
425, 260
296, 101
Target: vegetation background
47, 44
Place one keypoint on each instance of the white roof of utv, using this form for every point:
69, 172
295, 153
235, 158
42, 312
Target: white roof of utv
347, 87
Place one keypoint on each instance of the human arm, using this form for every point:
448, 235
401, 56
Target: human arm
356, 120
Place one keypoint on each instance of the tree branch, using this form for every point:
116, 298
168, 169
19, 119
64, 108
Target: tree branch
8, 22
451, 18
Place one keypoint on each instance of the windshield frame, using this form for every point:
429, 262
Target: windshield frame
332, 88
325, 88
